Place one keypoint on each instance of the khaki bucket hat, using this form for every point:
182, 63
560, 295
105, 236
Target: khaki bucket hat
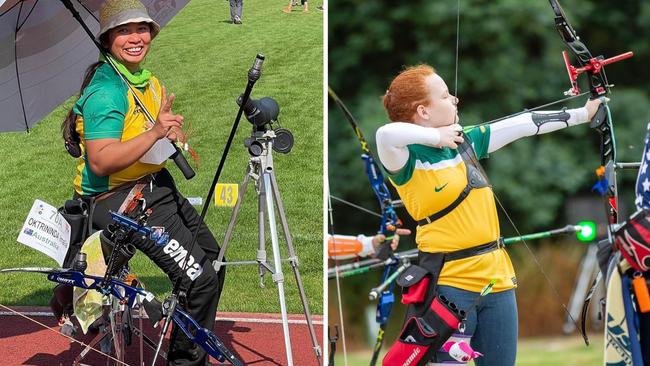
118, 12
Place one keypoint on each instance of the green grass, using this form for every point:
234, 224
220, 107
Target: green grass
204, 60
559, 351
542, 351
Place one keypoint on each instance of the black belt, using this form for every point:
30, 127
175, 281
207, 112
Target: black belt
433, 262
474, 251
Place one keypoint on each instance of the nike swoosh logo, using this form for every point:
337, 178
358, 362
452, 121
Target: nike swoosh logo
441, 188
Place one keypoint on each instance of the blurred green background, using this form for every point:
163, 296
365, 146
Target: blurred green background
509, 59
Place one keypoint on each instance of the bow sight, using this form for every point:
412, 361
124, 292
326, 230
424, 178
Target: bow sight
593, 66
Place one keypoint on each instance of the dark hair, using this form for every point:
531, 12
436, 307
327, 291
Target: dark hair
71, 137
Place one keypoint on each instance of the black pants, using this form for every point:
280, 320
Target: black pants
200, 281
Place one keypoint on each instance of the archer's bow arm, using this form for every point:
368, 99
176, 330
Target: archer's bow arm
535, 123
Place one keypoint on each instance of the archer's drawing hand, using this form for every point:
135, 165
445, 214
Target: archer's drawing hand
592, 107
450, 136
166, 118
379, 238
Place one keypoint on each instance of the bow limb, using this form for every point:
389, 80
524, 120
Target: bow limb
70, 277
602, 121
598, 84
204, 337
45, 270
388, 226
51, 272
587, 63
389, 219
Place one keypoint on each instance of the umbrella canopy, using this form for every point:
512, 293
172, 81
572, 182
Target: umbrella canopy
44, 53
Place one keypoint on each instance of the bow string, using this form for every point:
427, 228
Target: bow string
602, 122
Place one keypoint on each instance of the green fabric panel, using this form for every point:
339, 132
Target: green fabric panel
103, 105
429, 154
480, 140
92, 184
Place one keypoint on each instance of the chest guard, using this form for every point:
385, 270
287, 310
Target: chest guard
476, 178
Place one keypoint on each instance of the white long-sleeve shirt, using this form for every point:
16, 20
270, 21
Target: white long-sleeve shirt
393, 138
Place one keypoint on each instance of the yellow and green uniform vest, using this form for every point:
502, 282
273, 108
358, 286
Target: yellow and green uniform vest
430, 181
107, 109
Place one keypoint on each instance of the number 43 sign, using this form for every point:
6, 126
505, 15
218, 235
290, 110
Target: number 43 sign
226, 194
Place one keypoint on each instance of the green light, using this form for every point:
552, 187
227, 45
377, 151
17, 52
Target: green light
587, 231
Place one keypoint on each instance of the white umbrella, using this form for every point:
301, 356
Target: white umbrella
44, 53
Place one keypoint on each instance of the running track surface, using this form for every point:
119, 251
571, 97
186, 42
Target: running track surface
257, 339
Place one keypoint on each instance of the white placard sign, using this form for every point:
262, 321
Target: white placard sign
159, 152
46, 231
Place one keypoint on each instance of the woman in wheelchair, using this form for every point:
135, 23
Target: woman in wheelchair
114, 144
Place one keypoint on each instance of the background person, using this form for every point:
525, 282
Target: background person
115, 137
305, 6
341, 247
236, 7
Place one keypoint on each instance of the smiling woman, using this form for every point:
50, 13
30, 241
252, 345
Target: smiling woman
129, 43
115, 142
207, 72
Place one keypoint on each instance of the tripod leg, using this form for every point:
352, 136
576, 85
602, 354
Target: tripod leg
170, 305
140, 335
278, 276
231, 225
293, 259
261, 244
91, 346
149, 343
117, 327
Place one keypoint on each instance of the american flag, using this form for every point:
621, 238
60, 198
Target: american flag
643, 179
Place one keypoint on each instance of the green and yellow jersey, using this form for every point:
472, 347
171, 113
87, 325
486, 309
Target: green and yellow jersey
107, 109
429, 182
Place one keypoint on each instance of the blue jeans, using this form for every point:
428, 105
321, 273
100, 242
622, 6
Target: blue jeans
492, 325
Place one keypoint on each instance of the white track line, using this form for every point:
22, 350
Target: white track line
232, 319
